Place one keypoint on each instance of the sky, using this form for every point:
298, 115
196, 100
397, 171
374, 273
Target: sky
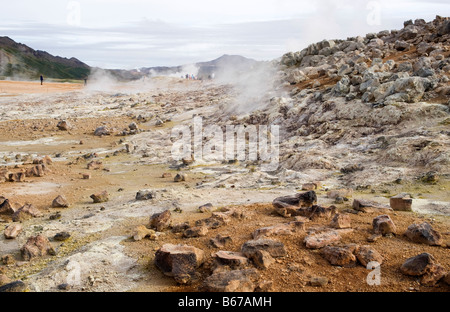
129, 34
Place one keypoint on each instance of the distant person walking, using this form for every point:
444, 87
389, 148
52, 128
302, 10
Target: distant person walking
85, 81
42, 80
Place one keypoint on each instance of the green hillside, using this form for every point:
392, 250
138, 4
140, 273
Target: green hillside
18, 60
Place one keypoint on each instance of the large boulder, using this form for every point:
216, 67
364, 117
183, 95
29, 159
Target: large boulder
424, 234
37, 246
179, 261
412, 88
425, 266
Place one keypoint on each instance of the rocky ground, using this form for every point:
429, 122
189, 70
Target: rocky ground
91, 199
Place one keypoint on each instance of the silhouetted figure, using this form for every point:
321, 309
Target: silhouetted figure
42, 80
85, 81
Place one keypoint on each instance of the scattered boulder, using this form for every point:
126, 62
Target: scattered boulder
339, 256
316, 213
180, 227
220, 241
141, 232
341, 221
26, 212
13, 230
101, 197
37, 246
232, 259
160, 221
423, 265
320, 240
401, 202
262, 259
179, 261
231, 281
196, 231
274, 248
6, 207
424, 234
60, 202
145, 195
288, 205
366, 254
383, 225
369, 206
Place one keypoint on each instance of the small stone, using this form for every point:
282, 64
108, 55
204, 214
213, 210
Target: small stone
340, 193
145, 195
8, 259
366, 254
319, 240
63, 125
369, 206
373, 238
101, 197
308, 187
12, 231
318, 281
262, 259
220, 241
274, 248
179, 261
234, 260
231, 281
341, 221
205, 208
160, 221
401, 202
180, 177
339, 256
61, 236
60, 202
37, 246
197, 231
383, 225
63, 287
141, 232
95, 165
101, 131
26, 212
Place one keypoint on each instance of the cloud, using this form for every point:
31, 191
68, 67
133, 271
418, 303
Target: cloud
137, 33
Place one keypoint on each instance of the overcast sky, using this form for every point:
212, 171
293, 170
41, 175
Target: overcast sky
136, 33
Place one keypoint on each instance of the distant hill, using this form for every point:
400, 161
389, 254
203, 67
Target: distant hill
225, 63
20, 61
